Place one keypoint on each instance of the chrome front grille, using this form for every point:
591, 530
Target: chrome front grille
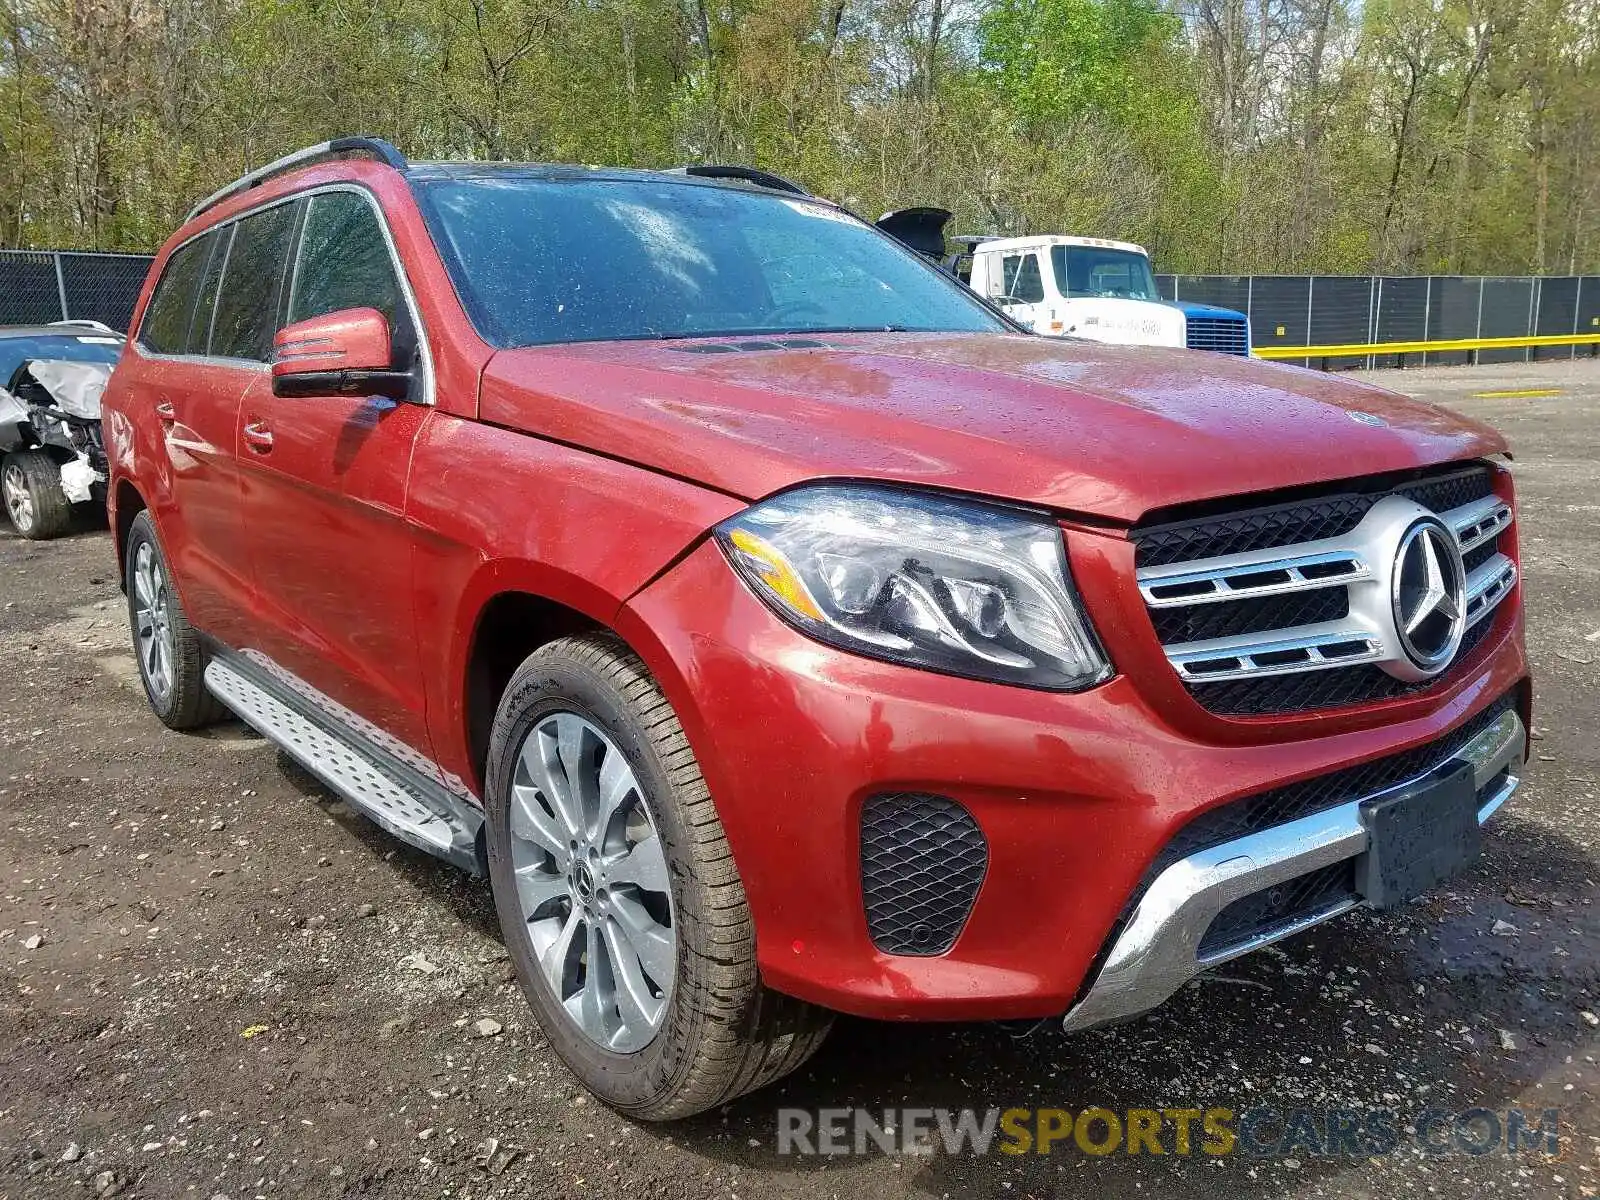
1256, 618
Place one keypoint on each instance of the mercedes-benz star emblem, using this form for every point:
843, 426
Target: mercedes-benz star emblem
1430, 595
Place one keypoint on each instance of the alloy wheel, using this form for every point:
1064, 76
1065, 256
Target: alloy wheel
592, 883
19, 500
152, 621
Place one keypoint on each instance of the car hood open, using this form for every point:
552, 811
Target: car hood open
1108, 431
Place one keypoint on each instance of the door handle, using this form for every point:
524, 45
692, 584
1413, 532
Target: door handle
165, 410
258, 437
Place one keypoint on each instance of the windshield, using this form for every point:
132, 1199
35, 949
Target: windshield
1096, 271
70, 347
537, 261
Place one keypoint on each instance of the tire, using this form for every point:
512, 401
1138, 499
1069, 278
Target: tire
30, 482
720, 1032
174, 679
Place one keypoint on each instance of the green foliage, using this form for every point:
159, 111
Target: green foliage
1059, 60
1227, 135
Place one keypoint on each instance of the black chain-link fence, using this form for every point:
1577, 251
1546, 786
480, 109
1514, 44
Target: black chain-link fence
1342, 310
38, 286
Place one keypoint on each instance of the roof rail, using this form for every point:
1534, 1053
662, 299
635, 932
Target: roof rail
337, 148
762, 179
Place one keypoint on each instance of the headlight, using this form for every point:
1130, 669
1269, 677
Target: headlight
949, 585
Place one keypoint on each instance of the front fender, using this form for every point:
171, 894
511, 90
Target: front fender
497, 511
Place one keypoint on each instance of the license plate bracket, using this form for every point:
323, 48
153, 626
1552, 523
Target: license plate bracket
1418, 837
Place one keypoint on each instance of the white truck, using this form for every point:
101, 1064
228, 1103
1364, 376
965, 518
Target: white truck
1084, 287
1098, 289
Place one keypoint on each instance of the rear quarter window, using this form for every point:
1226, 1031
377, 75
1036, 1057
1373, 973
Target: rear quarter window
165, 328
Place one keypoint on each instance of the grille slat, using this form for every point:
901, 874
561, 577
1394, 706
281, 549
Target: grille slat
1230, 617
1361, 684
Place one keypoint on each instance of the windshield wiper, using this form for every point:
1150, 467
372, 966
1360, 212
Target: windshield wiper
763, 333
856, 329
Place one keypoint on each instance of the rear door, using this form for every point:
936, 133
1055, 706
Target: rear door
192, 399
325, 486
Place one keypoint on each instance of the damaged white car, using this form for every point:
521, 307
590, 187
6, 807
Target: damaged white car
52, 455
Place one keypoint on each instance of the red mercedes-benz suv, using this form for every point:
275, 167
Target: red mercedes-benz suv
780, 629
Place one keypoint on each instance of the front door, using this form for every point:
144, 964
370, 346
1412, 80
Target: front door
324, 492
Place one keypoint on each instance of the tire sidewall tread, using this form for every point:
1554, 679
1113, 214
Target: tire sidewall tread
722, 1027
52, 511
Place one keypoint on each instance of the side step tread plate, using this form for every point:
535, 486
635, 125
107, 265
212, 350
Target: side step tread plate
377, 793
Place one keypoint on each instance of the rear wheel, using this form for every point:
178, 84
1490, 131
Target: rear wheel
617, 894
30, 483
172, 659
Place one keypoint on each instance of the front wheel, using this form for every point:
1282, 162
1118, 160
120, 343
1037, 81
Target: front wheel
30, 482
617, 893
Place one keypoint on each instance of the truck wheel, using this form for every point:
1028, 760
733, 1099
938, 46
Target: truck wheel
617, 895
31, 484
172, 659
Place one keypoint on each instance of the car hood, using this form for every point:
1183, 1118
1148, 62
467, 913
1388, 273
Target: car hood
1109, 431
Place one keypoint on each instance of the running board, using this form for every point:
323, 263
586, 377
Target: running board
398, 799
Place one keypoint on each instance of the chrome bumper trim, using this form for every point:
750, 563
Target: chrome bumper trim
1158, 951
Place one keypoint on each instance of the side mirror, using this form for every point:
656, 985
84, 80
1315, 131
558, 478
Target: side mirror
344, 353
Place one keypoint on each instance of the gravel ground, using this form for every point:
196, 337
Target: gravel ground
217, 980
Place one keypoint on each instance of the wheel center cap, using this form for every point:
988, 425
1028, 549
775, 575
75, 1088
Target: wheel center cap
583, 882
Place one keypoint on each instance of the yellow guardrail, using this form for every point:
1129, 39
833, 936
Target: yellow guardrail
1470, 345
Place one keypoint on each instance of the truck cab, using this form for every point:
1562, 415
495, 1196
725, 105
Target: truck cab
1097, 289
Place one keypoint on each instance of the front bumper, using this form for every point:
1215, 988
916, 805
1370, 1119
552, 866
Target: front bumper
1077, 796
1164, 942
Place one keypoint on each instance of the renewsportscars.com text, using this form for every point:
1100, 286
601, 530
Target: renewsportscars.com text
1262, 1131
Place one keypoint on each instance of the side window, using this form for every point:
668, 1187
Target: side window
344, 262
210, 284
165, 328
247, 309
1022, 278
